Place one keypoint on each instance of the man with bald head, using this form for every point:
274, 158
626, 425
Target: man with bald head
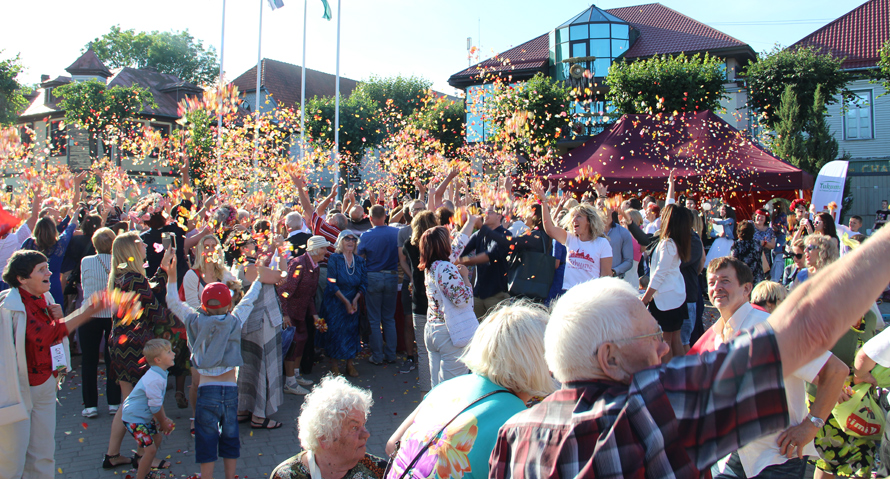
621, 413
357, 220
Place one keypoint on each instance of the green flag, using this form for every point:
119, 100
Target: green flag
327, 10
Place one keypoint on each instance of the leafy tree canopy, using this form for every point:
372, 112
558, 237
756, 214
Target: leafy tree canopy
177, 53
12, 101
803, 69
444, 120
359, 123
530, 116
667, 83
94, 107
884, 64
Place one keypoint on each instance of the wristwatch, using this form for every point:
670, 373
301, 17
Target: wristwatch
820, 423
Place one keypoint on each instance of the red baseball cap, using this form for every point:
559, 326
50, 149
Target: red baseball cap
216, 295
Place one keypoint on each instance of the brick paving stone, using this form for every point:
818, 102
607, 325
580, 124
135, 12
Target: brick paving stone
79, 449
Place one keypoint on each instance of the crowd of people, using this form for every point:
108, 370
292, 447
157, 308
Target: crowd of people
552, 335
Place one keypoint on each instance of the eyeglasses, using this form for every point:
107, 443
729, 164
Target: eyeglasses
812, 247
659, 335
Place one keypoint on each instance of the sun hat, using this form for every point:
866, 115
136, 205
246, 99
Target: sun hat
316, 242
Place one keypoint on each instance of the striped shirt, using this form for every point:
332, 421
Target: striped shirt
323, 228
94, 278
672, 421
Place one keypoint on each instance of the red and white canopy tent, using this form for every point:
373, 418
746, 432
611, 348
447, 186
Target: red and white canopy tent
712, 159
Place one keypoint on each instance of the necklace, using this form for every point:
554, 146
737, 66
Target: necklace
350, 273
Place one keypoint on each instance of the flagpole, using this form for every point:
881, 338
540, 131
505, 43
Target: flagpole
303, 90
220, 87
259, 76
337, 102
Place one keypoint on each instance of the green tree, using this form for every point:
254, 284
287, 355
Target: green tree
529, 117
803, 69
884, 64
104, 113
12, 100
398, 96
802, 136
788, 143
359, 124
177, 53
444, 120
670, 84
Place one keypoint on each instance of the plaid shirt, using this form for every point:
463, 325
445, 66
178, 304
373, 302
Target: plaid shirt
671, 421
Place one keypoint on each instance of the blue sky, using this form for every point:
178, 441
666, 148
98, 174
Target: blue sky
384, 37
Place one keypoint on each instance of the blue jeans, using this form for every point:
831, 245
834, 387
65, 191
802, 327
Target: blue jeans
790, 469
383, 288
688, 325
216, 423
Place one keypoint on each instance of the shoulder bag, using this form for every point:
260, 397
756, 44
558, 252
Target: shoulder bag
530, 274
392, 457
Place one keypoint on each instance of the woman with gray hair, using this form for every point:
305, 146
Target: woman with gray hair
506, 355
332, 433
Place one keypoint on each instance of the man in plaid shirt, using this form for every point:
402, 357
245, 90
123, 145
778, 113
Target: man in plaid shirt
621, 413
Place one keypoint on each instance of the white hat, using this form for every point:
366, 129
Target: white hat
317, 242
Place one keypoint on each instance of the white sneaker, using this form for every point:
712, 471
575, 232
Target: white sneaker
112, 409
90, 412
303, 381
295, 390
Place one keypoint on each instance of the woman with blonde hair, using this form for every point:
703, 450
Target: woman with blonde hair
129, 335
506, 360
768, 295
589, 251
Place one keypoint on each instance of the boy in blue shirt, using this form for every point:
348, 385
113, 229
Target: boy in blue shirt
214, 337
143, 414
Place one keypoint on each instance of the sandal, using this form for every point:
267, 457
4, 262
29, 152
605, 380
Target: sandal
107, 464
164, 464
182, 401
265, 424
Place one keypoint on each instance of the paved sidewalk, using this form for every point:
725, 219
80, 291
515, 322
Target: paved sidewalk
81, 442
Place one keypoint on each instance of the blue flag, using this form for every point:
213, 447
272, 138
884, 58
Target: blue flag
327, 9
276, 4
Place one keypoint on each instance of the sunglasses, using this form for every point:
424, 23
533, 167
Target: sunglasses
350, 238
794, 255
812, 247
817, 222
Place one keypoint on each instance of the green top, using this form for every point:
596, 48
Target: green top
371, 467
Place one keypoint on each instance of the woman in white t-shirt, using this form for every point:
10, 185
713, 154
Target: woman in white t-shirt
589, 253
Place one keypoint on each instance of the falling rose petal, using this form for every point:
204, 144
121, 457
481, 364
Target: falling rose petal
158, 247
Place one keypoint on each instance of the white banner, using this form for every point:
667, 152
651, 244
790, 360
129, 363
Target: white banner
830, 188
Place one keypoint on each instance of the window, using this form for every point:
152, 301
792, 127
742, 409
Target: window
858, 120
58, 139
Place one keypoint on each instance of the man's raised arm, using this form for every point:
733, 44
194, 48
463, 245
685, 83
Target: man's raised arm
819, 311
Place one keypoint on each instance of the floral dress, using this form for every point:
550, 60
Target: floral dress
749, 252
371, 467
463, 449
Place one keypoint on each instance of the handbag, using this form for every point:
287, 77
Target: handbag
861, 415
531, 273
392, 457
287, 337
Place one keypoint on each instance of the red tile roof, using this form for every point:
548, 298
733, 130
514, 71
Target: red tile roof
284, 80
662, 30
531, 56
856, 36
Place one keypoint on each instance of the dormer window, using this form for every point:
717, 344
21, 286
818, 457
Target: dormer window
47, 95
592, 33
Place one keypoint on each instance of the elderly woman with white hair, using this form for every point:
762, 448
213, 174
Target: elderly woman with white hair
332, 433
506, 357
